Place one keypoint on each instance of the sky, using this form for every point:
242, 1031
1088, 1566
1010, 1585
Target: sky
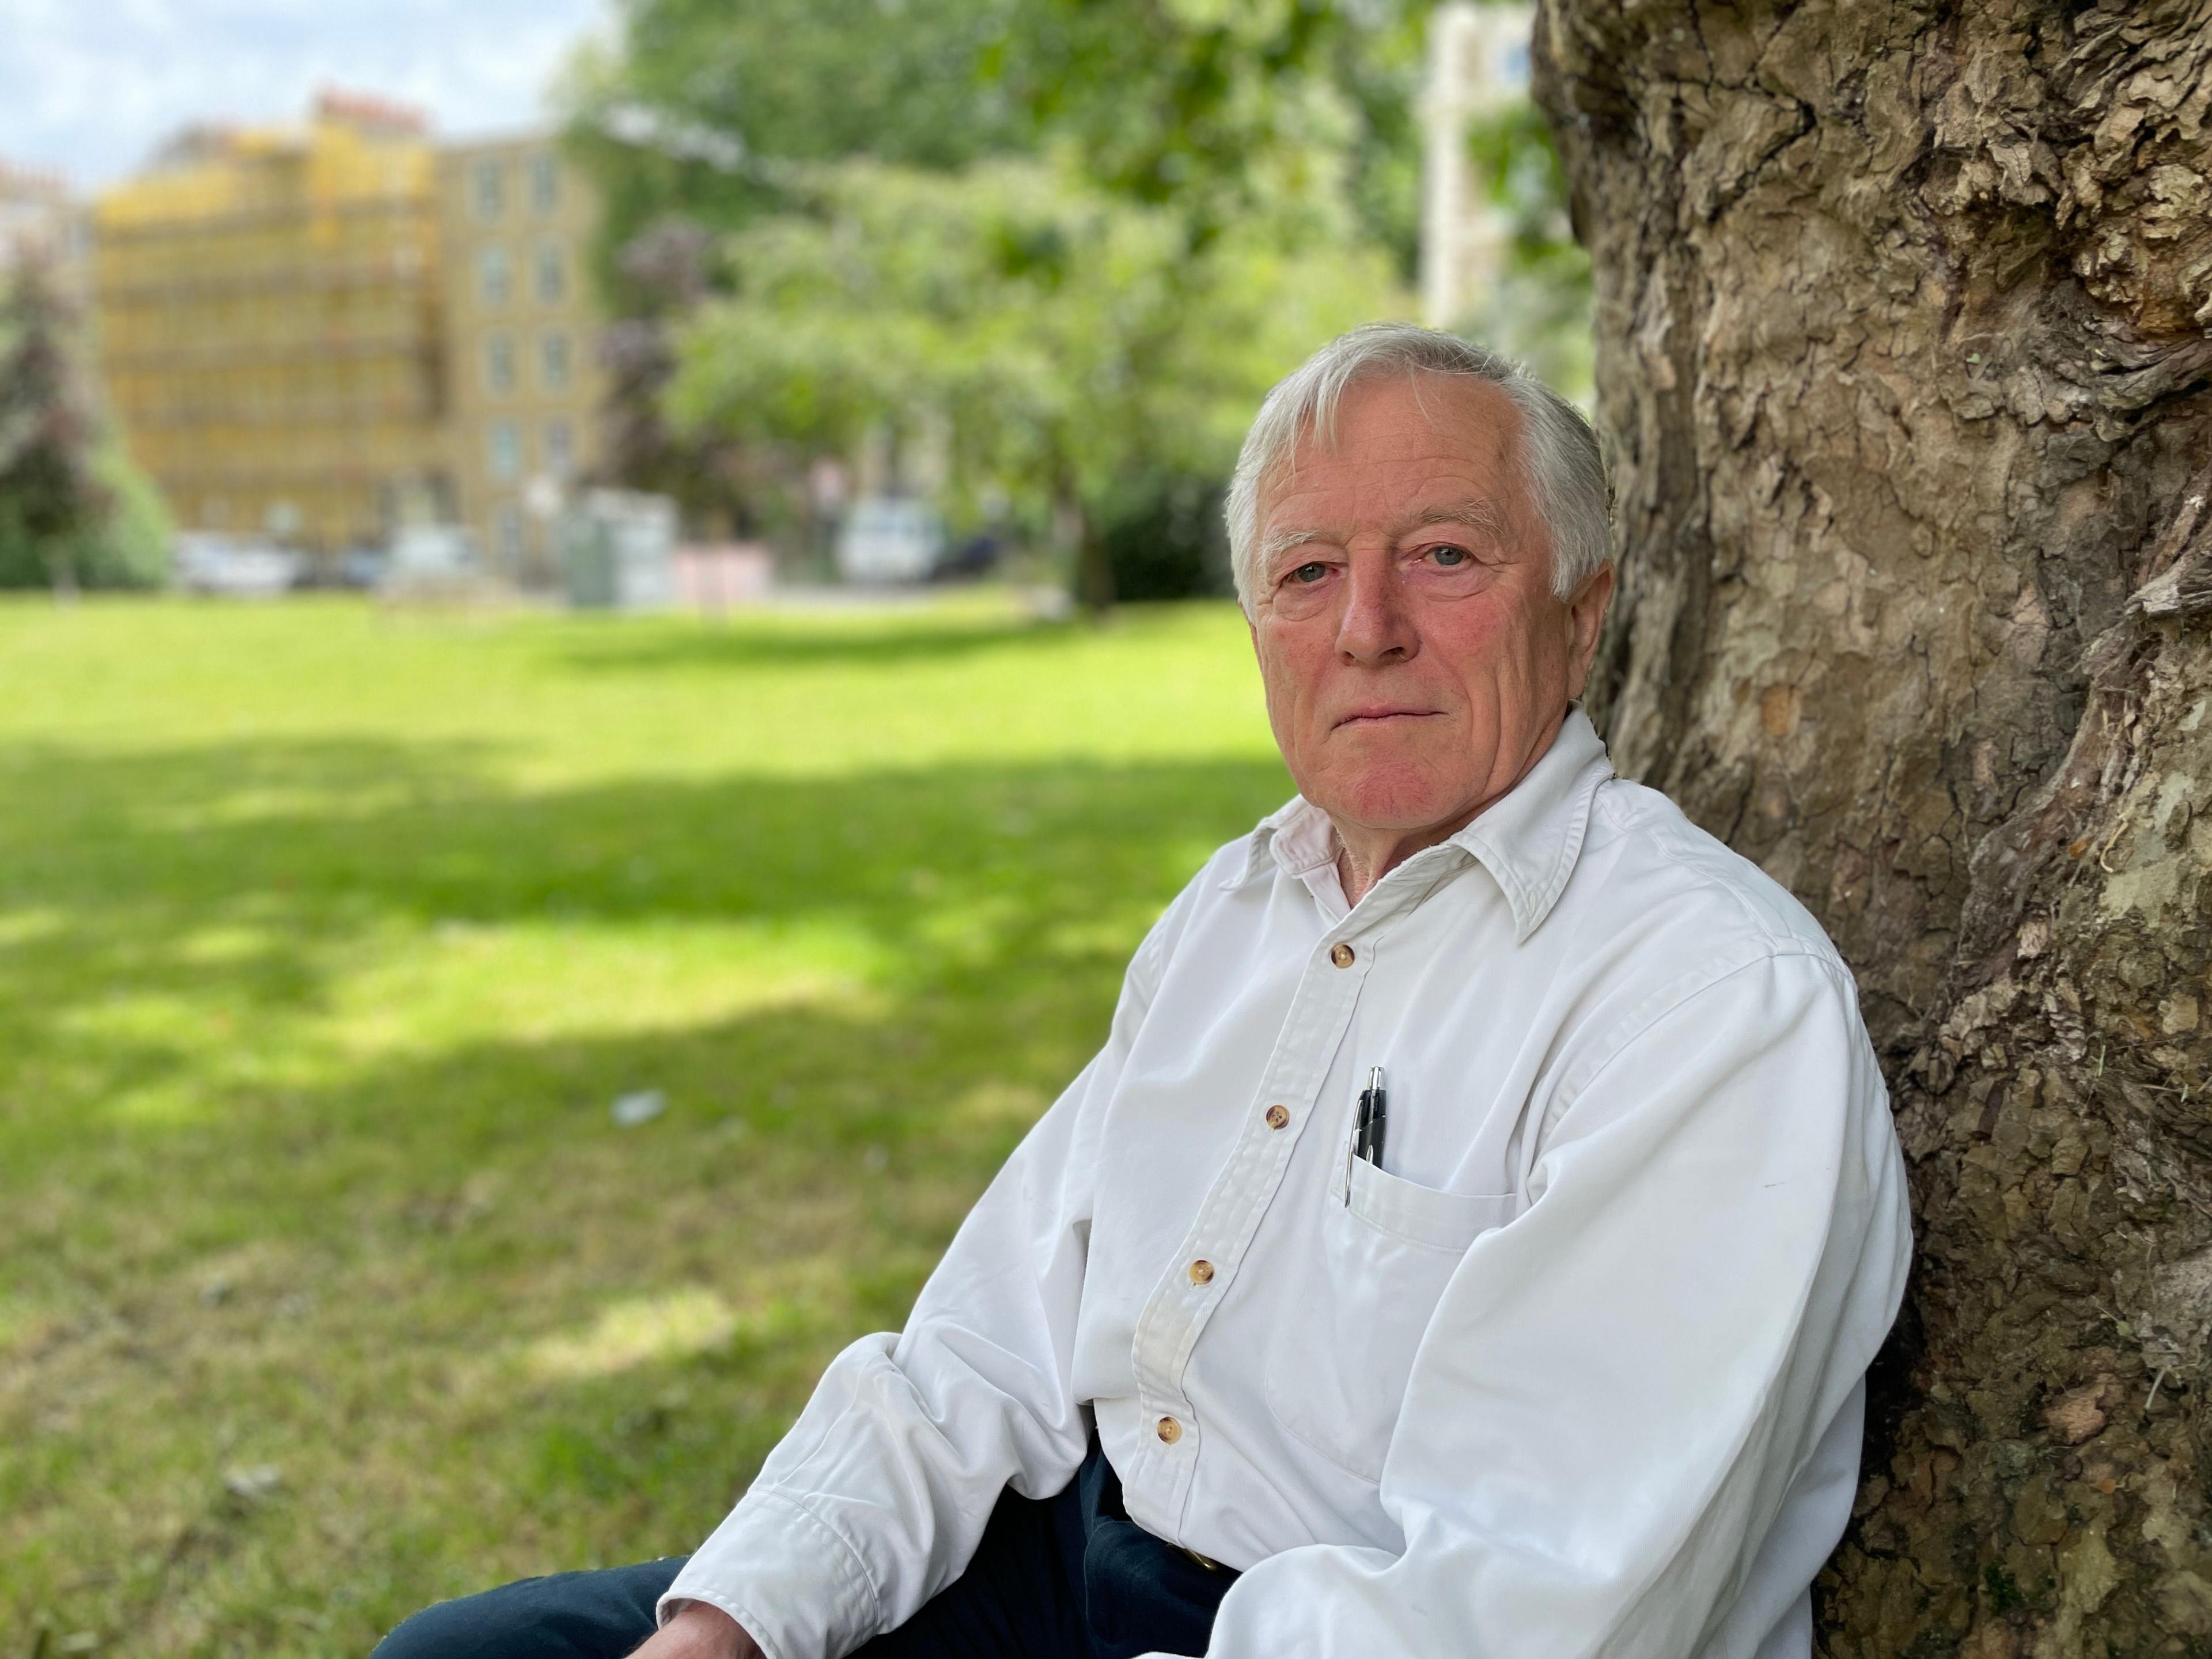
89, 88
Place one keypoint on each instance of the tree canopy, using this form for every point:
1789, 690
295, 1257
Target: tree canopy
1066, 337
1085, 237
1213, 110
73, 513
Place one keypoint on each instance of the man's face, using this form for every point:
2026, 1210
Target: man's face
1417, 662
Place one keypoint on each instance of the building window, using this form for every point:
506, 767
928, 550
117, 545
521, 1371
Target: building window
560, 448
552, 274
499, 364
495, 276
489, 182
544, 183
507, 532
553, 361
503, 451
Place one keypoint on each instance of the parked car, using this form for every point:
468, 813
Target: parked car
234, 567
976, 557
887, 539
362, 567
431, 562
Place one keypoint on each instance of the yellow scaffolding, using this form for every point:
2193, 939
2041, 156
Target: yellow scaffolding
268, 305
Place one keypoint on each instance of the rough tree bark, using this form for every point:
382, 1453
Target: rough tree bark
1905, 352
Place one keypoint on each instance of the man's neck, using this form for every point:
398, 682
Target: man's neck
1365, 856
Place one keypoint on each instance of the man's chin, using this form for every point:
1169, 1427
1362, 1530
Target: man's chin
1391, 805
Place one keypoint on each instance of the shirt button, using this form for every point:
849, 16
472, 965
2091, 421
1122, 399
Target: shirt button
1201, 1272
1341, 956
1169, 1430
1277, 1117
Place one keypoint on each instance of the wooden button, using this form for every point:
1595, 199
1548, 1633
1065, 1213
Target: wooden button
1277, 1117
1341, 956
1169, 1430
1201, 1272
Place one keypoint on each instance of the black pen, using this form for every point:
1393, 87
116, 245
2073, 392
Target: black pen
1373, 1117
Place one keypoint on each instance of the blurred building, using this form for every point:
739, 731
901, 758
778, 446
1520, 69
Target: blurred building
268, 314
1478, 68
39, 218
332, 333
522, 373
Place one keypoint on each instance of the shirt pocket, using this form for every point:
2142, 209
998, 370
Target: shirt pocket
1342, 1353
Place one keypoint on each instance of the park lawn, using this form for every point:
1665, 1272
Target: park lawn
329, 1285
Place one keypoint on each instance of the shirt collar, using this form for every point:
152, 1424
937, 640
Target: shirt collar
1529, 841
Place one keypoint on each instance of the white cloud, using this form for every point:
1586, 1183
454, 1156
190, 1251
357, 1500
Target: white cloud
89, 89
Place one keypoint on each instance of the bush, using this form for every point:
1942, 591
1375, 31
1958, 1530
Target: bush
1164, 539
126, 546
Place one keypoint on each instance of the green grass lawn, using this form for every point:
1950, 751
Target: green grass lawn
329, 1287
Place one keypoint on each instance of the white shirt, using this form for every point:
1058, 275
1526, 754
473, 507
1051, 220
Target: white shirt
1579, 1371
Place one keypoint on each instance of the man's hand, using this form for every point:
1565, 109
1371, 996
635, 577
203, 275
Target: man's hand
700, 1630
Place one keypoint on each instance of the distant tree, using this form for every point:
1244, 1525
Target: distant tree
51, 494
1289, 120
1213, 112
666, 271
694, 123
130, 545
1070, 339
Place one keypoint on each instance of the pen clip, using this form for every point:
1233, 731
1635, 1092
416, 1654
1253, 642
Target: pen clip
1364, 1124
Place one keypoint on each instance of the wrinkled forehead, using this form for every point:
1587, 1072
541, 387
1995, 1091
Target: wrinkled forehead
1410, 420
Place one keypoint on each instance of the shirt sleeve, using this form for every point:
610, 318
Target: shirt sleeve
877, 1499
1619, 1386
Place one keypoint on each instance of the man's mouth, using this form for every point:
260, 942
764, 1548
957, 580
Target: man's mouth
1383, 715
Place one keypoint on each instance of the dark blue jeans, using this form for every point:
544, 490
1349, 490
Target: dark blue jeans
1064, 1577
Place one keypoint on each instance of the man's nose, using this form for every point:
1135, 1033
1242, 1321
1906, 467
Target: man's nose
1377, 626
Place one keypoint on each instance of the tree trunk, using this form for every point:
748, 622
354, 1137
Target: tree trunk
1904, 353
60, 556
1078, 530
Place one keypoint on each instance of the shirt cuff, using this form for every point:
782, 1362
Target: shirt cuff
785, 1575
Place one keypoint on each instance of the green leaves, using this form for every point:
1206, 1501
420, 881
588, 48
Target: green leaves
1218, 110
1066, 335
1079, 237
73, 511
703, 105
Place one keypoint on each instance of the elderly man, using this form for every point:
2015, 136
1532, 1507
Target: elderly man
1474, 1235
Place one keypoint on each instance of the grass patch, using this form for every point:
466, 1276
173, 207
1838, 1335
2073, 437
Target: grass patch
327, 939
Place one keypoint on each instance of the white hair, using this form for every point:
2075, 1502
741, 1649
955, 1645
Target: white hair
1560, 460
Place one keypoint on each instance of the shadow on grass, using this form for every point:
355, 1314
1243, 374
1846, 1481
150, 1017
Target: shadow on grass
343, 1270
115, 870
392, 1250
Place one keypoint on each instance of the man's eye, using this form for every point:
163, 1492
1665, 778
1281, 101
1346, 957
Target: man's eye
1312, 571
1449, 555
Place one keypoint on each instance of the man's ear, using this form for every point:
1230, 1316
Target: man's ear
1586, 610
